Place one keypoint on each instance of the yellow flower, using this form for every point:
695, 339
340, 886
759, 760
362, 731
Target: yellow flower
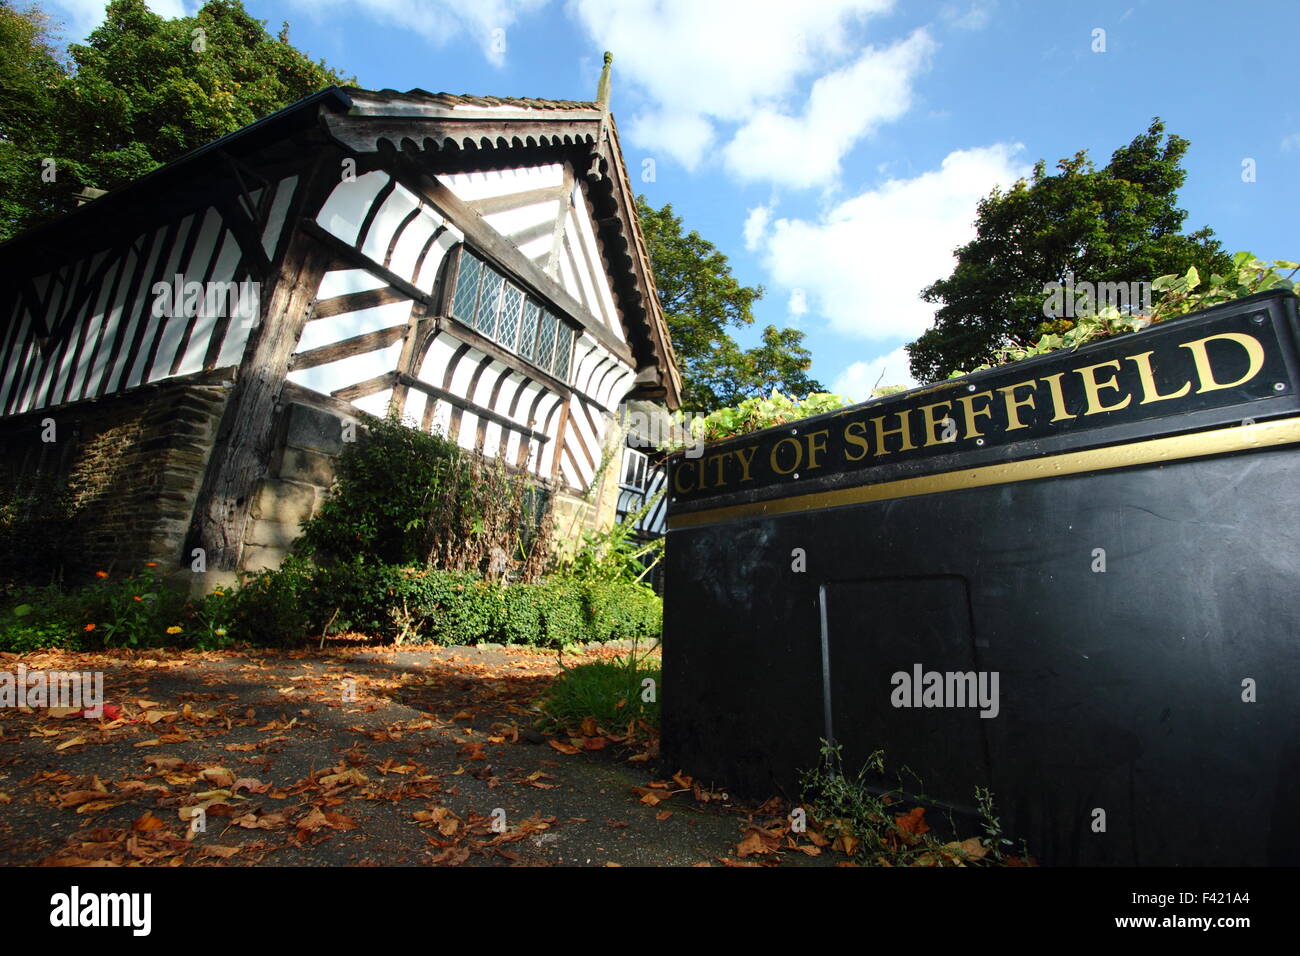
173, 629
218, 592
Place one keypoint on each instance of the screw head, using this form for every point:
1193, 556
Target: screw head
1279, 386
970, 388
1258, 319
796, 474
979, 441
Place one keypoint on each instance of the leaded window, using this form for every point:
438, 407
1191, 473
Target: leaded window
487, 301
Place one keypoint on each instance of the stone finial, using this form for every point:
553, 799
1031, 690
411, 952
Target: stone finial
602, 88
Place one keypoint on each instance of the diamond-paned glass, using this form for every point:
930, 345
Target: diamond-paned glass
563, 349
512, 301
528, 329
489, 300
546, 341
462, 305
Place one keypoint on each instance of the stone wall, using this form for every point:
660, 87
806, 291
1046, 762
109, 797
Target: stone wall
130, 465
308, 443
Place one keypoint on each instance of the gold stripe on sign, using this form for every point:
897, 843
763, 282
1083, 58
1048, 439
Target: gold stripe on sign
1220, 441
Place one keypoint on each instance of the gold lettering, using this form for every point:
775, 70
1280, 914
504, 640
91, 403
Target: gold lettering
745, 462
815, 448
1092, 388
902, 431
856, 440
720, 459
927, 411
971, 411
798, 455
1205, 373
1013, 404
1058, 397
677, 476
1150, 391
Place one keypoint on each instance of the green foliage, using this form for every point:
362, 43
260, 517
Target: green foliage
610, 691
141, 91
36, 618
406, 604
615, 554
1116, 224
269, 607
136, 610
404, 496
1179, 295
701, 299
758, 413
853, 806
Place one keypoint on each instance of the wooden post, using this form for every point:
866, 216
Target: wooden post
241, 453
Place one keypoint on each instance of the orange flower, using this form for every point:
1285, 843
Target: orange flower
90, 627
151, 564
136, 597
101, 574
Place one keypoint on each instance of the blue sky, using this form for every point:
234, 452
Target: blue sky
835, 149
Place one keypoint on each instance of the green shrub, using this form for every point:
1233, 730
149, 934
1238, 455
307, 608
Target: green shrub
407, 497
270, 608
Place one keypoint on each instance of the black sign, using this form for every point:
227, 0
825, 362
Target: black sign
1177, 374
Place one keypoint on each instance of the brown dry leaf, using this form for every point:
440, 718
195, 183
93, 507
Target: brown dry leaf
225, 852
76, 798
594, 743
757, 840
338, 821
971, 848
349, 776
61, 712
219, 776
845, 844
589, 727
816, 837
160, 762
154, 742
565, 748
314, 820
663, 814
241, 748
912, 823
147, 822
74, 742
452, 856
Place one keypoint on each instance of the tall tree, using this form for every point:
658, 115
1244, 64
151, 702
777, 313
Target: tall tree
1116, 224
701, 299
141, 91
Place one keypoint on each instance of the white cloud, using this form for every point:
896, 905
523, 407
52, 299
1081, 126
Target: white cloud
756, 225
798, 304
81, 16
487, 22
1291, 142
843, 106
716, 60
857, 381
864, 262
976, 17
683, 136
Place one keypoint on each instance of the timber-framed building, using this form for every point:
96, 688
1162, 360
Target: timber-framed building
472, 264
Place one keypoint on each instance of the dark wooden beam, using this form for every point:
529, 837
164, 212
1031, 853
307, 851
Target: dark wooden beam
343, 348
242, 451
455, 401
